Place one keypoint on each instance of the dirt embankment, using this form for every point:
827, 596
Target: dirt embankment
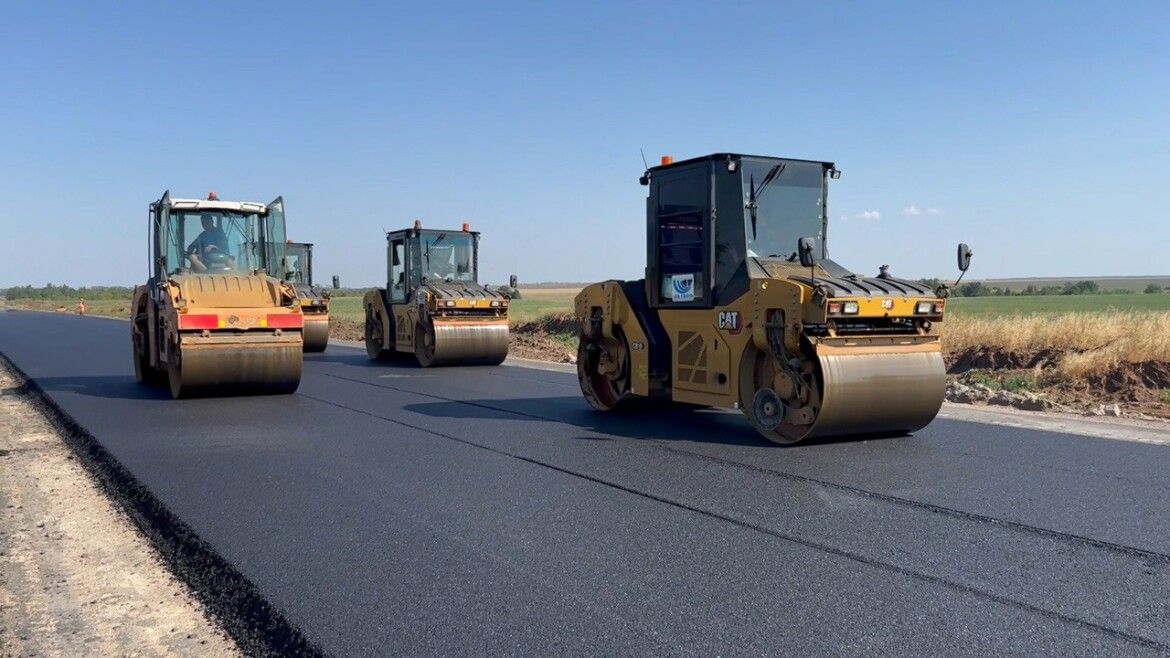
1142, 386
76, 579
550, 338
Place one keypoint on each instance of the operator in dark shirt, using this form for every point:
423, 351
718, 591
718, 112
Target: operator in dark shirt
211, 241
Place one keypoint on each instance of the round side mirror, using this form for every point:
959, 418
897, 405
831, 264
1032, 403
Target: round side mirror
964, 257
806, 249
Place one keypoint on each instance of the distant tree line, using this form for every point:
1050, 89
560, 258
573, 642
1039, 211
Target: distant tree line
51, 291
980, 289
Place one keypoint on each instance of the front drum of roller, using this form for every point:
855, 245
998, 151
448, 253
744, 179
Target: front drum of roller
467, 343
879, 393
236, 370
316, 333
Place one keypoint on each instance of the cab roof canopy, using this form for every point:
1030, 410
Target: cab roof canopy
428, 231
205, 204
734, 156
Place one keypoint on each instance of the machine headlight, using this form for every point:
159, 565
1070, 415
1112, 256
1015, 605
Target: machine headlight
849, 308
495, 302
924, 308
450, 302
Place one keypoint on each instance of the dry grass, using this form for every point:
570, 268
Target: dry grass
1092, 343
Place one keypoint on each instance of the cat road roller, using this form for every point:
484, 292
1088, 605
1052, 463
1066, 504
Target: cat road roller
211, 320
314, 301
433, 305
742, 308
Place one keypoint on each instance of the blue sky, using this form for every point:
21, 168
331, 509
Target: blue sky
1037, 132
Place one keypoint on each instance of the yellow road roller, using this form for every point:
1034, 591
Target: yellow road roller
433, 305
742, 308
314, 301
212, 320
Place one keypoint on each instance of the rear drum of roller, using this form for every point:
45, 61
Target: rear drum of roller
265, 369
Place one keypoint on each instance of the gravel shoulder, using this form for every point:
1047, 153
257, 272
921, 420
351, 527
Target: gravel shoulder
76, 578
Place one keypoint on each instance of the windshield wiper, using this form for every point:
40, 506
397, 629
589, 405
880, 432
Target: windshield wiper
427, 254
755, 194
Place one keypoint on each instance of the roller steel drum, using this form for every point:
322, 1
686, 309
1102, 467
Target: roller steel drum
898, 392
236, 369
316, 334
462, 342
865, 393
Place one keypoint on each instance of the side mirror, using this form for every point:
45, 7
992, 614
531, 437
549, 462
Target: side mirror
513, 281
806, 249
964, 257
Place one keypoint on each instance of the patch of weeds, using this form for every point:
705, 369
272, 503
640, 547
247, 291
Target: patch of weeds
1017, 383
568, 340
1165, 396
1014, 382
972, 377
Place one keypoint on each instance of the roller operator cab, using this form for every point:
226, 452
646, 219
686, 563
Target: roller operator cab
314, 301
742, 308
211, 319
433, 305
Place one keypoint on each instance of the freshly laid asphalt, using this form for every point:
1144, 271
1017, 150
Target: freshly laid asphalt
389, 509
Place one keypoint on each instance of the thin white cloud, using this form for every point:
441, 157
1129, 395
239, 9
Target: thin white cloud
913, 210
868, 214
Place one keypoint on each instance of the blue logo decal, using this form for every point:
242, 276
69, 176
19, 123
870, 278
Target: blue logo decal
682, 288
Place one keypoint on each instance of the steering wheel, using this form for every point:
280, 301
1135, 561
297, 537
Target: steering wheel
216, 259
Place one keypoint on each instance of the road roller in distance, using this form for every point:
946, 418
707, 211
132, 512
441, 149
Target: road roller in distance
314, 301
742, 308
433, 305
212, 320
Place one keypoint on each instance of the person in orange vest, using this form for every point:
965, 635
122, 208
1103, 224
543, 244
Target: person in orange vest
81, 306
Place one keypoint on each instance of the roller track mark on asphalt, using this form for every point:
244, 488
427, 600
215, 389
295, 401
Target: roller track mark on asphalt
748, 525
551, 382
1056, 469
1129, 551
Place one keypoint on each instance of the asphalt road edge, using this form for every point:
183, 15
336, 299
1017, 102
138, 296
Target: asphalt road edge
257, 627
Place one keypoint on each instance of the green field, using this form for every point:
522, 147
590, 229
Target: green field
348, 308
1048, 304
1137, 283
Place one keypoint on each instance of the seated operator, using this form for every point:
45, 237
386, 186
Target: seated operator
211, 245
439, 266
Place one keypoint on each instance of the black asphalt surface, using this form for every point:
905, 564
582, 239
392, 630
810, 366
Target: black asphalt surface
388, 509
